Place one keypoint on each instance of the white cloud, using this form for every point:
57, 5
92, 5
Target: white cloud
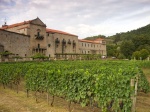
83, 18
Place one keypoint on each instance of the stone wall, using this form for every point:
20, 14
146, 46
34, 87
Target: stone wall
1, 48
59, 47
17, 44
92, 48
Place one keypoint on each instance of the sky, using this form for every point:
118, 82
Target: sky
80, 17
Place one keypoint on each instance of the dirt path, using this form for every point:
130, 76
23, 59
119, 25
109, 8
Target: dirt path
10, 101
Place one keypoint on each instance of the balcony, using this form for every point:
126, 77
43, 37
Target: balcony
57, 41
39, 37
74, 43
69, 42
64, 42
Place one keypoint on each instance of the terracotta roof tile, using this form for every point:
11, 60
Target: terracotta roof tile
98, 39
89, 41
27, 22
23, 27
17, 24
57, 31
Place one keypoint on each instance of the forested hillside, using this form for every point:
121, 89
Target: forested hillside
131, 44
143, 32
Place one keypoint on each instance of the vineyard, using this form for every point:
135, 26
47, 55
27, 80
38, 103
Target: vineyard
108, 85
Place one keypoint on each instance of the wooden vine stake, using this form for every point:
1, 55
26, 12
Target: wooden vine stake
48, 98
134, 84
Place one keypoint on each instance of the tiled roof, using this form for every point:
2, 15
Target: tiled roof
27, 22
57, 31
23, 27
17, 24
98, 39
14, 32
89, 41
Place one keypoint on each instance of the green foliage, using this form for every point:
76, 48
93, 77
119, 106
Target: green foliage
141, 33
39, 56
127, 48
121, 56
83, 82
5, 53
143, 83
145, 46
140, 39
111, 50
90, 56
136, 55
117, 38
144, 53
10, 75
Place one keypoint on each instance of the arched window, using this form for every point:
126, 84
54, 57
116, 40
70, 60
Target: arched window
38, 32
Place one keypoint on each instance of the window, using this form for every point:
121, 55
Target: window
85, 44
82, 44
38, 45
38, 32
49, 45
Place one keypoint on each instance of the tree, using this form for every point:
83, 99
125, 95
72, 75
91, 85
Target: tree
136, 55
127, 48
140, 40
145, 46
111, 50
116, 38
144, 54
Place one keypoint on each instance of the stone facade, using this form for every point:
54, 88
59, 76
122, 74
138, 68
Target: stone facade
97, 46
30, 37
61, 43
1, 48
15, 43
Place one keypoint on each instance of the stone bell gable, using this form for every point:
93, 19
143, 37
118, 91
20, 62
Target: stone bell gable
37, 21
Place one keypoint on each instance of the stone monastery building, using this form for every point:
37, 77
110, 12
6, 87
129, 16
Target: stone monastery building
27, 38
